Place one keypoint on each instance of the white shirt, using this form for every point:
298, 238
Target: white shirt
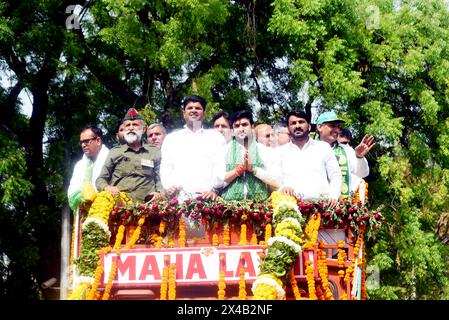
358, 167
312, 171
76, 183
193, 161
271, 173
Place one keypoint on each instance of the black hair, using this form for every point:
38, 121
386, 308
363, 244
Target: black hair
242, 114
346, 133
97, 131
194, 98
220, 114
117, 125
299, 114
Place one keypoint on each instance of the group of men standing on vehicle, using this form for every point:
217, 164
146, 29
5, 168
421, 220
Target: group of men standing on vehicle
194, 161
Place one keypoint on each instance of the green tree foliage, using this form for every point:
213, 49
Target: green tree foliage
382, 64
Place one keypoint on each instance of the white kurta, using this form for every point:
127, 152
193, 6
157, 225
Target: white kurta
313, 171
76, 182
357, 166
193, 161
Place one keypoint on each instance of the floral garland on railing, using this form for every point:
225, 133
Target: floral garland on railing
96, 235
283, 249
287, 213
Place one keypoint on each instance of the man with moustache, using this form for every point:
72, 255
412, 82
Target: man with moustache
132, 168
309, 168
252, 168
193, 157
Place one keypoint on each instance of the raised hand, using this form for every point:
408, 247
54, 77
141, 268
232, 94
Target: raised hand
365, 146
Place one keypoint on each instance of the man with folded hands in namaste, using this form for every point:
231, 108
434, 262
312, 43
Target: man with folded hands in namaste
252, 169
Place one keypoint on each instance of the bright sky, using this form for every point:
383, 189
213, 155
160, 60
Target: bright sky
25, 96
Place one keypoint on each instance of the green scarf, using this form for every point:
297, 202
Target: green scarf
256, 189
89, 170
342, 159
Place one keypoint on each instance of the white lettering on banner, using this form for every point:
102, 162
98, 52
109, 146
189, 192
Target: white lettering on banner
199, 265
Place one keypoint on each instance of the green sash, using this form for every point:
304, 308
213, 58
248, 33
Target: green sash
342, 159
256, 189
89, 170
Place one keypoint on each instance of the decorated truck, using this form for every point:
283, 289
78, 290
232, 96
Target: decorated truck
282, 248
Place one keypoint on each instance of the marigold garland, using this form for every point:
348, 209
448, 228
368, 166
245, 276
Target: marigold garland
226, 235
341, 258
222, 280
294, 285
311, 280
285, 244
282, 228
242, 284
72, 253
350, 270
215, 241
161, 232
118, 241
164, 283
311, 230
268, 229
97, 277
112, 273
172, 282
243, 240
323, 272
221, 286
182, 233
80, 290
254, 237
136, 234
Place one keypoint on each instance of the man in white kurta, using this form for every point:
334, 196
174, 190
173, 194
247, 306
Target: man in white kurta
89, 167
353, 163
252, 169
309, 168
193, 161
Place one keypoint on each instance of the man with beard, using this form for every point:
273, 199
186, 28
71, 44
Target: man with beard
353, 164
132, 168
309, 168
193, 157
251, 167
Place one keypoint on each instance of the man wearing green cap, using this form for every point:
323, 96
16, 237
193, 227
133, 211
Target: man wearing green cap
353, 164
133, 167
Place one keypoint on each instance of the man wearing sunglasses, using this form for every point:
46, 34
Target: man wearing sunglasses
89, 167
